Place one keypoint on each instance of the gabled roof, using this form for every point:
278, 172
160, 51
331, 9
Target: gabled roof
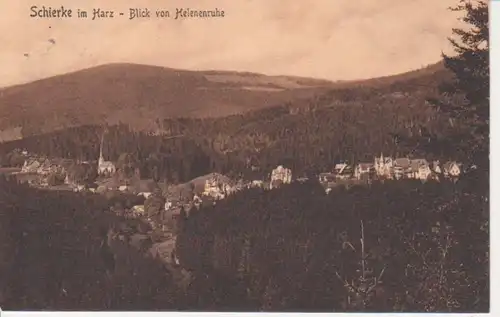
402, 162
417, 163
280, 168
420, 161
32, 161
448, 165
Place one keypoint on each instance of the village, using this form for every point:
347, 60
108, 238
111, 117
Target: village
102, 177
62, 174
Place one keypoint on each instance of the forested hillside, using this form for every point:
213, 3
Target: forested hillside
425, 248
398, 246
308, 139
51, 258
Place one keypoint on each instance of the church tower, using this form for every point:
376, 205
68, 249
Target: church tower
104, 167
101, 157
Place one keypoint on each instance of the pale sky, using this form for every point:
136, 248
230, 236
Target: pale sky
330, 39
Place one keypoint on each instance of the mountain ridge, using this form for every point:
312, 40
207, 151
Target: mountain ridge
137, 94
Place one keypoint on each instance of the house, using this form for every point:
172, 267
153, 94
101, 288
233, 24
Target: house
364, 169
79, 188
343, 171
168, 205
43, 167
30, 165
123, 188
138, 210
436, 167
402, 168
452, 169
419, 169
63, 165
424, 172
257, 184
280, 175
144, 194
326, 177
339, 168
384, 166
47, 167
104, 168
88, 186
216, 187
197, 201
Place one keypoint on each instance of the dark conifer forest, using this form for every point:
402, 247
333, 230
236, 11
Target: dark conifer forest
307, 142
51, 259
388, 247
396, 246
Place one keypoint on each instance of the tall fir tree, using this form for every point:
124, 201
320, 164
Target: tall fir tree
466, 98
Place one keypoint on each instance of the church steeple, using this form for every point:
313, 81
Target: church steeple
101, 157
104, 167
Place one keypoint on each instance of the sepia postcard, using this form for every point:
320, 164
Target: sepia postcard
245, 156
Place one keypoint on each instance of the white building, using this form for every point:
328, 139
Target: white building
138, 210
30, 165
216, 188
144, 194
197, 201
383, 166
452, 169
123, 188
168, 205
420, 169
436, 167
280, 175
257, 184
364, 169
424, 172
402, 168
339, 168
79, 188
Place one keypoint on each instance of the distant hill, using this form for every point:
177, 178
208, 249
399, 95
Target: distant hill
138, 95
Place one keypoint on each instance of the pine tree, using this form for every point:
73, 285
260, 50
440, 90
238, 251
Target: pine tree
470, 66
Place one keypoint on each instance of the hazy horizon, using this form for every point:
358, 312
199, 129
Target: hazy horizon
323, 39
217, 70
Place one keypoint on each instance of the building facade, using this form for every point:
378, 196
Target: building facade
280, 175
